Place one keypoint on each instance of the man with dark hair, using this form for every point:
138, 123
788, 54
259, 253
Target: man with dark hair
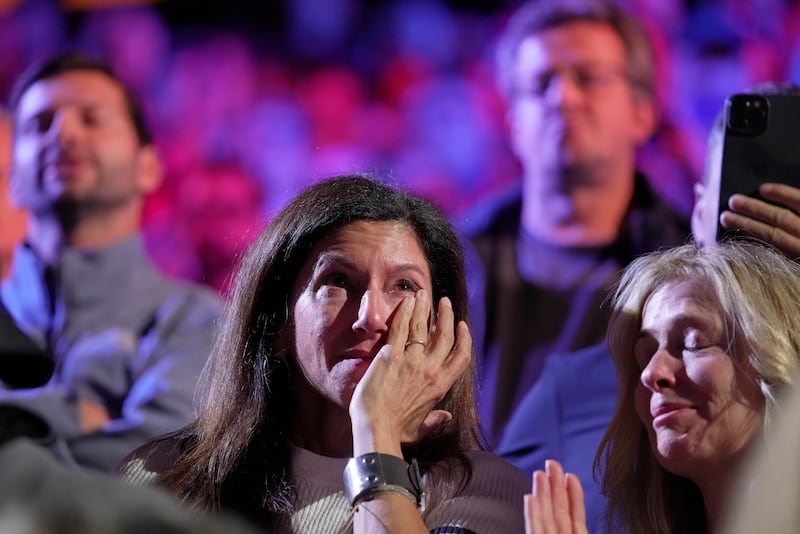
128, 343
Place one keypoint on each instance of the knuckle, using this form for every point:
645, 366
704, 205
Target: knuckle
783, 217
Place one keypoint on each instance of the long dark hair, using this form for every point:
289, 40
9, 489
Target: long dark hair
237, 452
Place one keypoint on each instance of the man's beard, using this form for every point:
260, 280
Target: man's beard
70, 210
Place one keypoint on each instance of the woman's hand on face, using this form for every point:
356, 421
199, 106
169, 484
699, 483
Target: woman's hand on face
556, 505
393, 403
777, 225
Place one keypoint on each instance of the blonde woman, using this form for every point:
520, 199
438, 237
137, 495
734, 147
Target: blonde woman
703, 339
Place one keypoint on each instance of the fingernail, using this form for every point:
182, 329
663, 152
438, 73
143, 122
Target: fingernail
536, 481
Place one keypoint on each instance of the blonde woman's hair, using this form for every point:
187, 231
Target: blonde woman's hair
758, 292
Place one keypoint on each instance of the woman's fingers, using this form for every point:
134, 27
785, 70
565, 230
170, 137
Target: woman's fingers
418, 330
397, 337
533, 516
558, 491
576, 504
541, 492
415, 369
556, 505
441, 342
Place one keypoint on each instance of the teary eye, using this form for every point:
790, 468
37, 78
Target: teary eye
337, 280
407, 285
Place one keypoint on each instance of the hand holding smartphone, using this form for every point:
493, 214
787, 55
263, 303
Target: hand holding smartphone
762, 145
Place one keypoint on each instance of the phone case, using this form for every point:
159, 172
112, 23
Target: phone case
761, 144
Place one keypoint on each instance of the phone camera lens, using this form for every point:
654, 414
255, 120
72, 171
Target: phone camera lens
746, 115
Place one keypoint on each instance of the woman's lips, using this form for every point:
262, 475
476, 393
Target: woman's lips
360, 354
662, 411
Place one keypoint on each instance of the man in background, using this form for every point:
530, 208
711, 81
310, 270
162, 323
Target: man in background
128, 344
579, 80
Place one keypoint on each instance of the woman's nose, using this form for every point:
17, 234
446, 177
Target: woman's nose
660, 371
373, 313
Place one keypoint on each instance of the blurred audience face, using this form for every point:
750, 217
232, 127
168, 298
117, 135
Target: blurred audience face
573, 105
699, 402
75, 144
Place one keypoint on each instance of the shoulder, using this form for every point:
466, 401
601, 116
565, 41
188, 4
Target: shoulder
651, 223
495, 477
491, 501
143, 465
146, 278
185, 303
185, 290
495, 215
168, 300
581, 383
594, 359
574, 387
571, 371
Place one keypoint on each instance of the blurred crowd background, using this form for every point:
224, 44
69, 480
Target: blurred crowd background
249, 101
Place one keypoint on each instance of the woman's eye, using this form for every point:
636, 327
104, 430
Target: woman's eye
695, 341
694, 347
407, 285
337, 280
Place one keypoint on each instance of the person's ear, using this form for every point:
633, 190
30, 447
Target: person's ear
645, 119
150, 170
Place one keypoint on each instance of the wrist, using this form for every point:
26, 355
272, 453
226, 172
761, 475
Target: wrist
368, 475
374, 435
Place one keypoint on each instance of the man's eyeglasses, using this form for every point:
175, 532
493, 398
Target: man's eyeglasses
587, 79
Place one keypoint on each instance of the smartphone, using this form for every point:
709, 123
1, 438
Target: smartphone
761, 144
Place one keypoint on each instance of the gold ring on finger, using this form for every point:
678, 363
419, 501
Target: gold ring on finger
415, 342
